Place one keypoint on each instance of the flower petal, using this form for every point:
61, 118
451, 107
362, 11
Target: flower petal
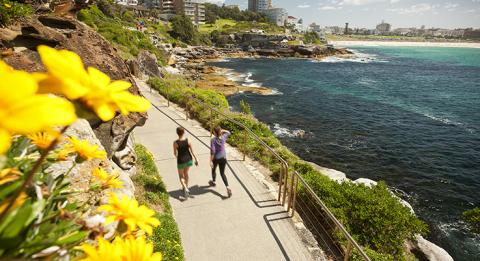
38, 113
98, 78
16, 85
128, 102
5, 141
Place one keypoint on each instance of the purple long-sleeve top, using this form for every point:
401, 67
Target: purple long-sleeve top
217, 147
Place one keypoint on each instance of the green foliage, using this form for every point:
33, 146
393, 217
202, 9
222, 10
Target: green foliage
43, 219
373, 216
473, 218
182, 29
129, 42
311, 38
166, 237
11, 10
245, 107
212, 11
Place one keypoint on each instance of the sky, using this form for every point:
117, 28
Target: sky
368, 13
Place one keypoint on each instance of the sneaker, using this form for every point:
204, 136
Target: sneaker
229, 192
187, 193
211, 183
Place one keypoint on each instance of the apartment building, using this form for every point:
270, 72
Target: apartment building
195, 9
259, 5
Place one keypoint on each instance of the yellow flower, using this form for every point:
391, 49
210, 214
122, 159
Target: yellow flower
105, 251
63, 154
128, 249
7, 5
18, 202
43, 139
22, 111
9, 175
128, 211
91, 87
108, 181
84, 149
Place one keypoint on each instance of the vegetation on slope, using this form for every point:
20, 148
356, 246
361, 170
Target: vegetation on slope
151, 191
376, 219
10, 10
214, 12
228, 26
119, 29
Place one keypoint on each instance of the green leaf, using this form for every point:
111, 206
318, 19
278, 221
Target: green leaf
72, 237
21, 218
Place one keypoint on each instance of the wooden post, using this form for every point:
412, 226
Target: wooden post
245, 144
348, 252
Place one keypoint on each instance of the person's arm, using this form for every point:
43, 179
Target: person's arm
193, 154
225, 135
175, 152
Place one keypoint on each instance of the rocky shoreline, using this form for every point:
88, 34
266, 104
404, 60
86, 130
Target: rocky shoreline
191, 62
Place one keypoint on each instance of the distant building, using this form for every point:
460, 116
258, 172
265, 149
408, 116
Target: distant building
313, 27
383, 28
232, 6
194, 9
259, 5
296, 23
127, 2
346, 31
277, 15
333, 30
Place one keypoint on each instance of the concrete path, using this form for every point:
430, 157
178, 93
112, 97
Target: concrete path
248, 226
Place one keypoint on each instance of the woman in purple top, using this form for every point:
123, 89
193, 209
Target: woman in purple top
219, 157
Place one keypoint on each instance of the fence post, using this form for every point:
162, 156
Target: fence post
186, 110
294, 194
245, 144
280, 180
285, 186
211, 122
290, 194
348, 252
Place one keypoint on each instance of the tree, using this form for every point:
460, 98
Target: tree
311, 37
182, 29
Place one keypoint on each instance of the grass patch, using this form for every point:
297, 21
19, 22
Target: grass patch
151, 190
10, 11
375, 218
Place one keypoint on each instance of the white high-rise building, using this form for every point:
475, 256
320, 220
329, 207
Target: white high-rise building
259, 5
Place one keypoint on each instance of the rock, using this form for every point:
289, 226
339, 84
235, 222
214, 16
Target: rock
335, 175
134, 68
267, 52
303, 50
126, 158
431, 251
148, 64
367, 182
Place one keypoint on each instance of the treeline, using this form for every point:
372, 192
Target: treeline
213, 12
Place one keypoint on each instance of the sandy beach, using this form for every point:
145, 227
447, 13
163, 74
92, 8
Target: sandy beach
414, 44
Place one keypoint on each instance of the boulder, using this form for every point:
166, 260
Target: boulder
429, 250
367, 182
304, 50
147, 63
333, 174
267, 52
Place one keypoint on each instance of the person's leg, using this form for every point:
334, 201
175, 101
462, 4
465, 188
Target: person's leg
222, 163
182, 180
185, 176
214, 172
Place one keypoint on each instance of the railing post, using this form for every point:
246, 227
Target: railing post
280, 180
348, 252
294, 194
211, 122
245, 144
186, 110
290, 194
285, 186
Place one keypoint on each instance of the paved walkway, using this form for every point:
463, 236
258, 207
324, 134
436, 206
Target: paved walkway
248, 226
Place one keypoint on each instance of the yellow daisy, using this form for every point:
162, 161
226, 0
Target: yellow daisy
84, 149
67, 76
18, 202
43, 139
127, 210
107, 180
23, 111
128, 249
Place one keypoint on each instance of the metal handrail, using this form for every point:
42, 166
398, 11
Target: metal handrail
330, 214
293, 185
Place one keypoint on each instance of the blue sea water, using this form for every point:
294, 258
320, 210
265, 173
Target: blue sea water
406, 115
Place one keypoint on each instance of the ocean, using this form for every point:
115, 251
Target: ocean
407, 115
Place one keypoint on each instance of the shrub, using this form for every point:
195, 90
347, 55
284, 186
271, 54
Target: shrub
374, 217
473, 218
245, 107
182, 29
10, 10
166, 237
